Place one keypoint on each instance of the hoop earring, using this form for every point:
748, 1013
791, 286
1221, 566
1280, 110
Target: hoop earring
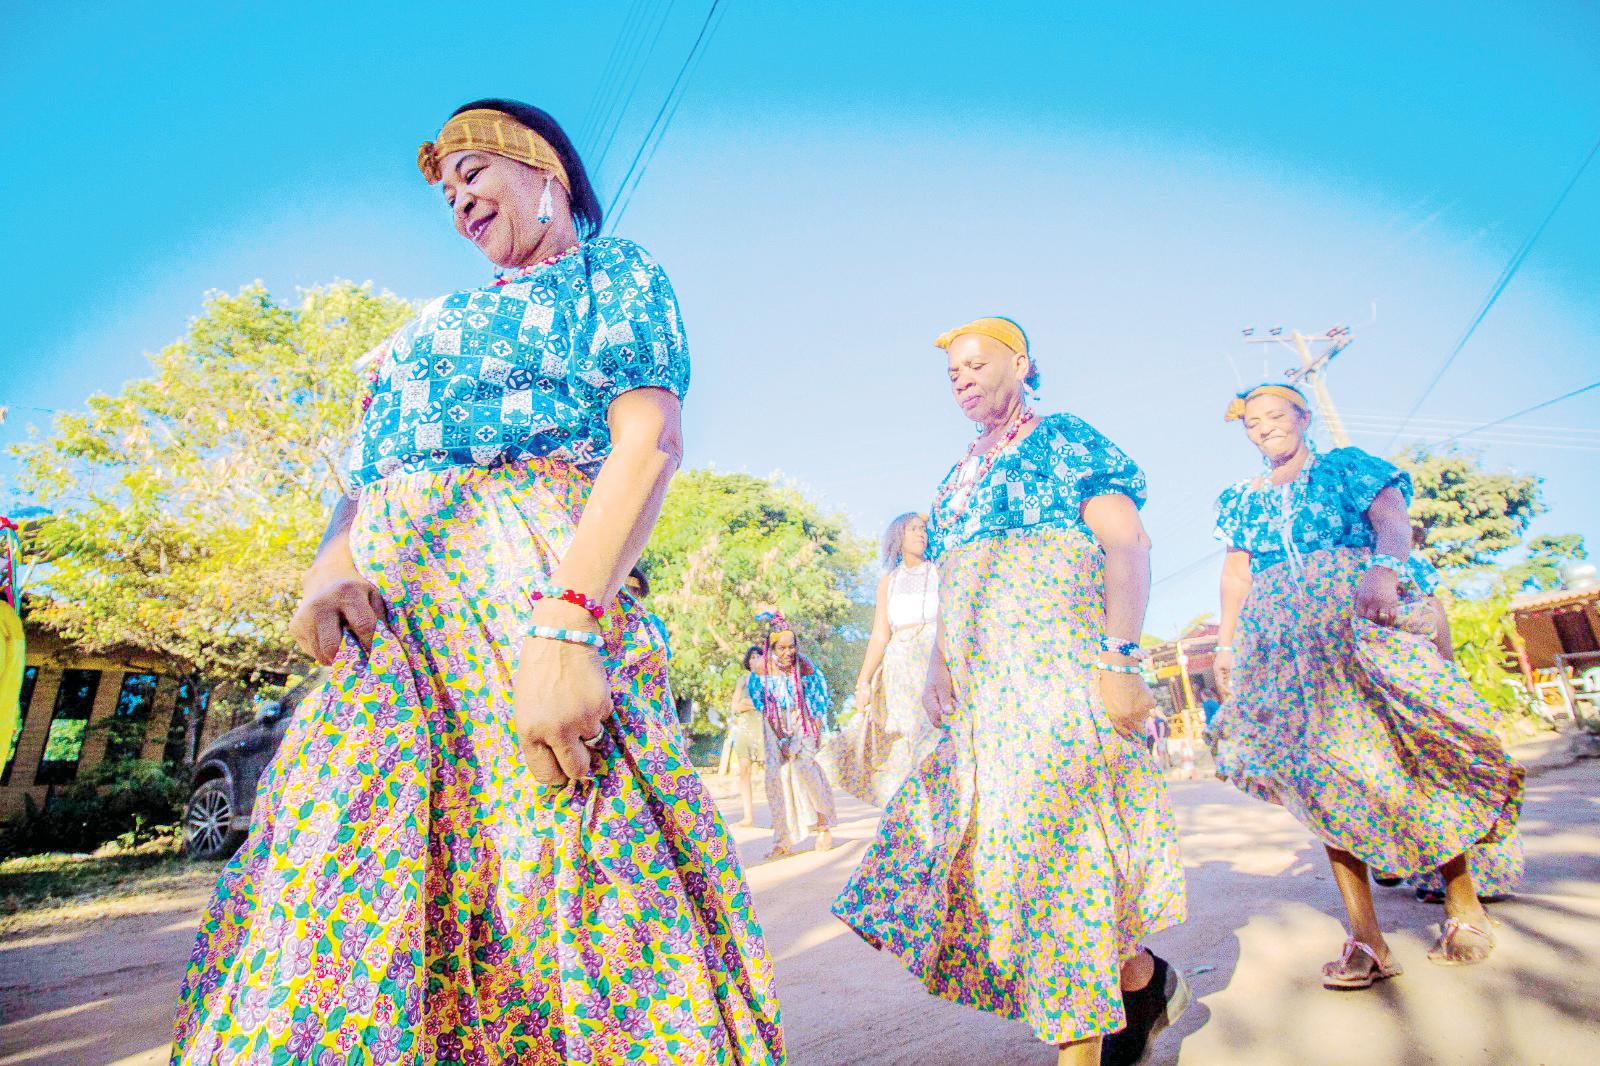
546, 204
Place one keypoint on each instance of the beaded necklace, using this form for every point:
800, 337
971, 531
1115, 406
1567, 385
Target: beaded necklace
504, 277
947, 491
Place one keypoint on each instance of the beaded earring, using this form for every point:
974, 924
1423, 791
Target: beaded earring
546, 204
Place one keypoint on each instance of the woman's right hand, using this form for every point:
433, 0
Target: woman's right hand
336, 598
1222, 670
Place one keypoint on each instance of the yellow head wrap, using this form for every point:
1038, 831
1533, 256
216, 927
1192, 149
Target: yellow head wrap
1236, 405
1003, 330
495, 132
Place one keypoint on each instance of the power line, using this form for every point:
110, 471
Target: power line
1448, 424
615, 124
1187, 569
663, 119
1499, 287
1525, 411
608, 74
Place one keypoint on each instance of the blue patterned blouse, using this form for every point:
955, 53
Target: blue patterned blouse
1043, 481
1324, 507
781, 688
527, 368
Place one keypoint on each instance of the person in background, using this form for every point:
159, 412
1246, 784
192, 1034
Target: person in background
746, 745
1340, 707
792, 696
891, 732
1022, 865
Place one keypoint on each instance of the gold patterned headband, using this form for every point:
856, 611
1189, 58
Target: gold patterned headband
1236, 405
496, 132
1003, 330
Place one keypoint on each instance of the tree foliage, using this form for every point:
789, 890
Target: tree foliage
728, 544
183, 508
1470, 515
1541, 570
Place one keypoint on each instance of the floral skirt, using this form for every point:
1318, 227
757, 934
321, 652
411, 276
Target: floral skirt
1363, 732
409, 894
1034, 849
874, 754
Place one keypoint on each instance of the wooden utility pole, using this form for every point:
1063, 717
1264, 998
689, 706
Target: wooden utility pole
1313, 369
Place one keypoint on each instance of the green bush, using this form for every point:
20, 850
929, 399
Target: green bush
130, 800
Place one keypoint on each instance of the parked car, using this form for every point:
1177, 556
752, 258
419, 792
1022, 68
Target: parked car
223, 788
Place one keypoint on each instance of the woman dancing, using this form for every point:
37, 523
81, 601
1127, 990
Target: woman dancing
1341, 708
792, 696
1021, 866
483, 840
891, 731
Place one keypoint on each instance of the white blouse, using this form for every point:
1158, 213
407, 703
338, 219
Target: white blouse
913, 596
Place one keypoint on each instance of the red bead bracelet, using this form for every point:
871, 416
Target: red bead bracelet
572, 596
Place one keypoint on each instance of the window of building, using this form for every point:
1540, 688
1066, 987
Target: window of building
132, 717
30, 677
192, 699
64, 743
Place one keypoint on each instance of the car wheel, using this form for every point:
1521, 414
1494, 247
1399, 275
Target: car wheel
208, 831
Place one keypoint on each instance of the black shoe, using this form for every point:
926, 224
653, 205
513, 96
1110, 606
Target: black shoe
1386, 882
1149, 1009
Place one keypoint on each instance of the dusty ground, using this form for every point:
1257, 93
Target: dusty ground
95, 984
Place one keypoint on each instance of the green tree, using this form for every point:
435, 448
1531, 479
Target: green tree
183, 508
1541, 570
728, 544
1470, 515
1484, 638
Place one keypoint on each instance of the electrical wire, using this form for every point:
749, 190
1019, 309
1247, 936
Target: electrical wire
615, 124
1498, 287
663, 120
609, 75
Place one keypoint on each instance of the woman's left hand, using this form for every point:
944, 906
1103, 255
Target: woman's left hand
561, 696
1127, 701
1378, 596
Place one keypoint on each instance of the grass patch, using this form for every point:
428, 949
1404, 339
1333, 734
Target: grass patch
36, 882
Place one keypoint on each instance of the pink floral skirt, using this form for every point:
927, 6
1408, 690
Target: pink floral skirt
1034, 850
409, 894
1363, 732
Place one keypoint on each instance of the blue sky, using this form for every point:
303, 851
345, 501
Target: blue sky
1134, 183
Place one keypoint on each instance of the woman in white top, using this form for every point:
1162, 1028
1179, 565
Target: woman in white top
891, 732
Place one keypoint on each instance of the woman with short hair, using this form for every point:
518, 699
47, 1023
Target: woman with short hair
1022, 865
1341, 708
483, 840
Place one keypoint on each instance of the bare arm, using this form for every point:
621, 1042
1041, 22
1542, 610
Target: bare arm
1378, 595
879, 639
1114, 521
646, 447
741, 696
335, 597
1441, 630
562, 694
1235, 590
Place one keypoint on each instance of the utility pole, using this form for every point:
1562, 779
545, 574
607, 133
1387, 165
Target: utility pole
1313, 369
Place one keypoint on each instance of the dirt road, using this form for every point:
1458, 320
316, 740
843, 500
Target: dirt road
97, 986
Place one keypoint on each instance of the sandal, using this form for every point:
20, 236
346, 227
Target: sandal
1337, 975
1444, 951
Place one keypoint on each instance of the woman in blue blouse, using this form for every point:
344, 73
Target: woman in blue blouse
792, 696
483, 841
1023, 863
1341, 707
